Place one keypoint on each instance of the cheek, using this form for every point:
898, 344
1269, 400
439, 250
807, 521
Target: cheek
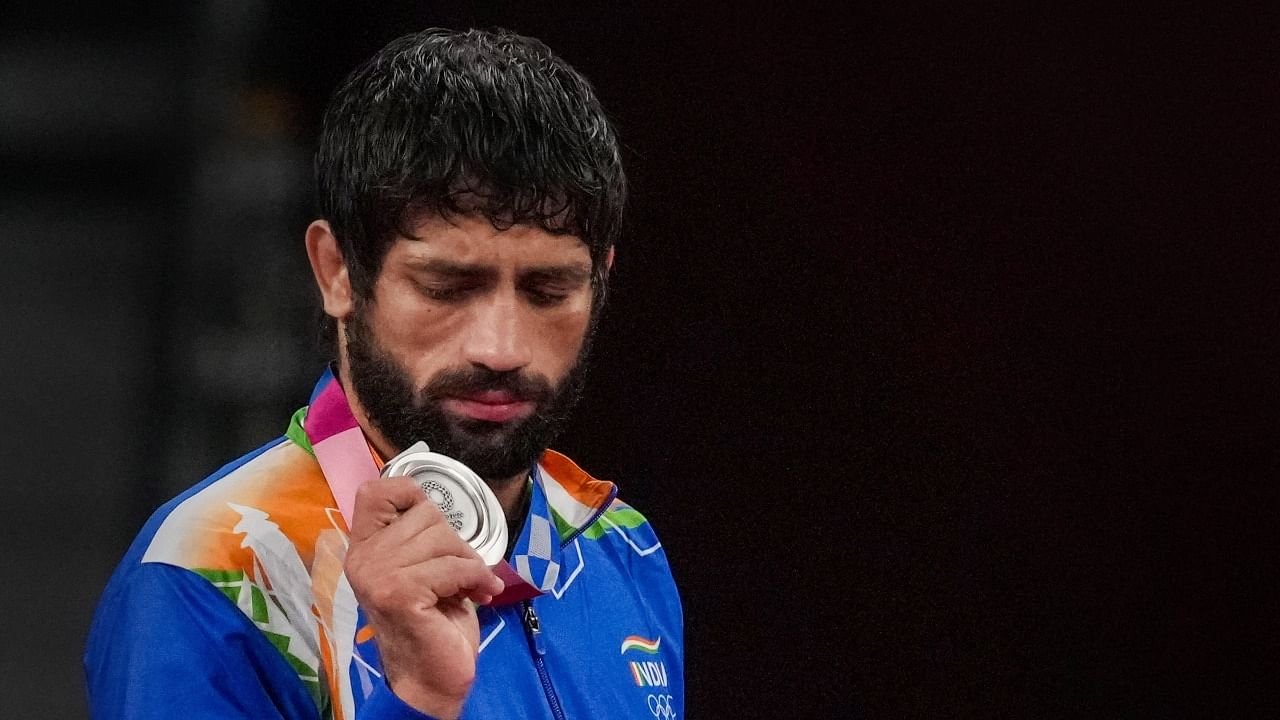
418, 332
560, 337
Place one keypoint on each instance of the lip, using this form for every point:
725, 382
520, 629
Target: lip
494, 406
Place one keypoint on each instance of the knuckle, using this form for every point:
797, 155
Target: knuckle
400, 484
430, 508
383, 595
367, 491
465, 569
443, 535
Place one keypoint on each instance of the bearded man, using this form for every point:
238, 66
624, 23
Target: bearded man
471, 194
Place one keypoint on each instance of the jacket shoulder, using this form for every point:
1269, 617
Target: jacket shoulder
272, 503
261, 532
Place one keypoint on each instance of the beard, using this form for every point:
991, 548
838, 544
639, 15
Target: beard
405, 414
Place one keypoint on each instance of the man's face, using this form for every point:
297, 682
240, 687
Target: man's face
475, 341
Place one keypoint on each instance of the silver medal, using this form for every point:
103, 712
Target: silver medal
469, 506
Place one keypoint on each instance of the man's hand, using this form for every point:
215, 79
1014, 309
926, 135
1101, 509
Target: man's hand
416, 580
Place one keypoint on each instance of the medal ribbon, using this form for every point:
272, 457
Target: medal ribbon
347, 461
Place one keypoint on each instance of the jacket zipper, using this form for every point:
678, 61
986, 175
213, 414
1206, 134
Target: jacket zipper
613, 493
604, 507
533, 628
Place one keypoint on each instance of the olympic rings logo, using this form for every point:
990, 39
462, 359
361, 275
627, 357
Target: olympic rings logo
661, 706
438, 495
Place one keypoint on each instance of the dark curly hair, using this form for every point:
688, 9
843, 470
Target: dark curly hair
486, 123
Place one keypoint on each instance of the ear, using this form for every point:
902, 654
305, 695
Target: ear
608, 260
329, 269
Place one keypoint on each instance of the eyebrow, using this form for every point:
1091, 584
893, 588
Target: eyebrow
567, 273
452, 269
571, 273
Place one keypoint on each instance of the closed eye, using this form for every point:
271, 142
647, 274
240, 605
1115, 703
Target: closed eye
551, 286
546, 297
448, 293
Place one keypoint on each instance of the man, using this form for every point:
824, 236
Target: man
471, 193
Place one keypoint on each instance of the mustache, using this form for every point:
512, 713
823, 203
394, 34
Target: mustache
479, 379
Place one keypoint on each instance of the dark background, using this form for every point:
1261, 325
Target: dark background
941, 348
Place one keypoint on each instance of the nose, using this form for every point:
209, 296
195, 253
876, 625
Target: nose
498, 336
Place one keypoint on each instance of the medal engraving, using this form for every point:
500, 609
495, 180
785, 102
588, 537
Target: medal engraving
465, 500
443, 499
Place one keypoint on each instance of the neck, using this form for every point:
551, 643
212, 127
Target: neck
509, 491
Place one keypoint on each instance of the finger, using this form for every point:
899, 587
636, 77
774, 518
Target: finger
374, 559
407, 590
434, 541
415, 520
450, 576
380, 501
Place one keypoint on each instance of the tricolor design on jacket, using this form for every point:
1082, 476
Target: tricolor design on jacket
232, 602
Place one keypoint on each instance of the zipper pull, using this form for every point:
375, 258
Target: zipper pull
534, 628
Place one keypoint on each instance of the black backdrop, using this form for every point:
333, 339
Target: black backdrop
940, 347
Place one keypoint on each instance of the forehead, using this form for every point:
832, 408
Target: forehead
475, 241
